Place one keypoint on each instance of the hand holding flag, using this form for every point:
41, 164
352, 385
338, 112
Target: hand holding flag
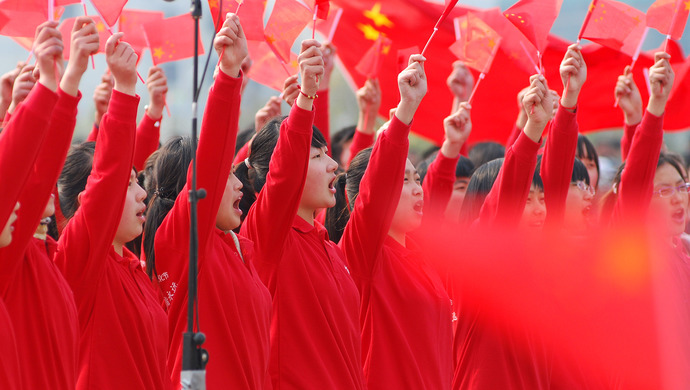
311, 69
457, 127
122, 62
661, 79
460, 81
290, 90
449, 7
573, 73
84, 42
48, 48
628, 97
157, 85
412, 84
369, 102
538, 102
231, 46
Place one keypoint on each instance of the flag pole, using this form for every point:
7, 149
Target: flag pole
484, 72
93, 62
313, 18
635, 57
444, 15
586, 21
334, 26
674, 19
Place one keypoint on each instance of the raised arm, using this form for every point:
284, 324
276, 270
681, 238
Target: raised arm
101, 98
88, 236
561, 143
440, 177
22, 138
149, 129
630, 102
270, 219
637, 180
505, 202
381, 185
322, 105
369, 102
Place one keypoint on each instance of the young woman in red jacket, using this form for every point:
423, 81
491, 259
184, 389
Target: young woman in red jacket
31, 279
122, 328
234, 305
315, 336
405, 311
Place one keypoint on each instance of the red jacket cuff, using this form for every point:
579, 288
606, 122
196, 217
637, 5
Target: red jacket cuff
300, 120
446, 166
397, 131
123, 106
68, 103
651, 124
524, 147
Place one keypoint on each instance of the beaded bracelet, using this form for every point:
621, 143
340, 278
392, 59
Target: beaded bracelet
307, 96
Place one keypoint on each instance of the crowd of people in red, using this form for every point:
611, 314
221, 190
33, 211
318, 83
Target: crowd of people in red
312, 273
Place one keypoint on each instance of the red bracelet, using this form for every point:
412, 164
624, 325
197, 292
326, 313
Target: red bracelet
307, 96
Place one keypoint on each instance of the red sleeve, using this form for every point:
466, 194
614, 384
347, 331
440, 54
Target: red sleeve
506, 200
93, 134
242, 154
626, 140
360, 141
41, 182
322, 118
214, 163
465, 149
379, 193
557, 163
147, 140
270, 219
20, 143
89, 234
637, 180
438, 186
514, 134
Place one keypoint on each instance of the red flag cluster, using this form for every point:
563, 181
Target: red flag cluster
171, 39
477, 44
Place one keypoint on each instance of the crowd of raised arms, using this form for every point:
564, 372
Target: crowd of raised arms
312, 270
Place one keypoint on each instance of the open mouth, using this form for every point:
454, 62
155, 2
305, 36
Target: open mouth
679, 216
141, 214
236, 205
419, 207
587, 211
331, 185
537, 223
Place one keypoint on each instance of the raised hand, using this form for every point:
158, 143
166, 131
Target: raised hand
661, 79
157, 85
328, 51
23, 84
6, 85
290, 90
458, 127
102, 94
412, 84
84, 43
460, 81
369, 102
628, 97
267, 112
311, 70
48, 48
122, 62
538, 103
573, 72
231, 45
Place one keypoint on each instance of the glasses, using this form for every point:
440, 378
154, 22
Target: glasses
665, 192
584, 187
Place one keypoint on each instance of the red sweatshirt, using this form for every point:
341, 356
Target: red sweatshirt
438, 187
123, 329
234, 305
360, 141
31, 279
637, 180
557, 164
315, 335
626, 140
147, 139
322, 117
405, 312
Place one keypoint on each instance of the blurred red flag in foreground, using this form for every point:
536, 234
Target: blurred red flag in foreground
287, 20
266, 68
662, 13
534, 18
171, 39
371, 63
476, 44
131, 23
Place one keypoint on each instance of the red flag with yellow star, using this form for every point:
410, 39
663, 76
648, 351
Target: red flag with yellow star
110, 10
131, 22
171, 39
615, 25
662, 13
66, 31
476, 44
372, 61
288, 19
251, 15
534, 18
266, 68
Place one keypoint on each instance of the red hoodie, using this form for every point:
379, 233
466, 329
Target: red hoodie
123, 330
315, 336
405, 312
234, 305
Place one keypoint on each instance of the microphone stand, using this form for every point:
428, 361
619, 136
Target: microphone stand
194, 358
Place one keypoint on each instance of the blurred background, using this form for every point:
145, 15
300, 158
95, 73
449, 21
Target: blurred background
343, 107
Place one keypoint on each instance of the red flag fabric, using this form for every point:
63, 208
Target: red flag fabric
66, 31
615, 25
131, 23
450, 4
288, 19
324, 7
372, 61
171, 39
661, 14
110, 10
66, 2
325, 26
251, 15
266, 68
476, 44
24, 16
404, 56
534, 18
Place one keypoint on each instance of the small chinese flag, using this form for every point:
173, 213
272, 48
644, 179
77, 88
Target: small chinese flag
66, 31
615, 25
324, 6
24, 16
371, 63
477, 43
404, 56
662, 13
326, 25
171, 39
131, 22
266, 68
251, 15
109, 9
534, 18
288, 19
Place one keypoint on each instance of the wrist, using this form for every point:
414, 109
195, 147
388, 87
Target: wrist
70, 83
154, 112
304, 102
656, 106
230, 70
49, 82
451, 149
534, 130
632, 118
405, 111
569, 100
127, 88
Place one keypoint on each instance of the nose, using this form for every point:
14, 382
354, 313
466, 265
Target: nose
236, 183
417, 189
141, 194
539, 209
332, 166
587, 196
677, 197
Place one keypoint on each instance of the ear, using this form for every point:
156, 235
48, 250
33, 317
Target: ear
79, 198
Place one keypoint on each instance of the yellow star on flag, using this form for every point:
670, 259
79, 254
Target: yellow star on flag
591, 7
158, 52
369, 31
100, 27
377, 17
212, 3
492, 43
270, 39
687, 5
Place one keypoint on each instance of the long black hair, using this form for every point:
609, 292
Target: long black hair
170, 176
74, 176
586, 149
